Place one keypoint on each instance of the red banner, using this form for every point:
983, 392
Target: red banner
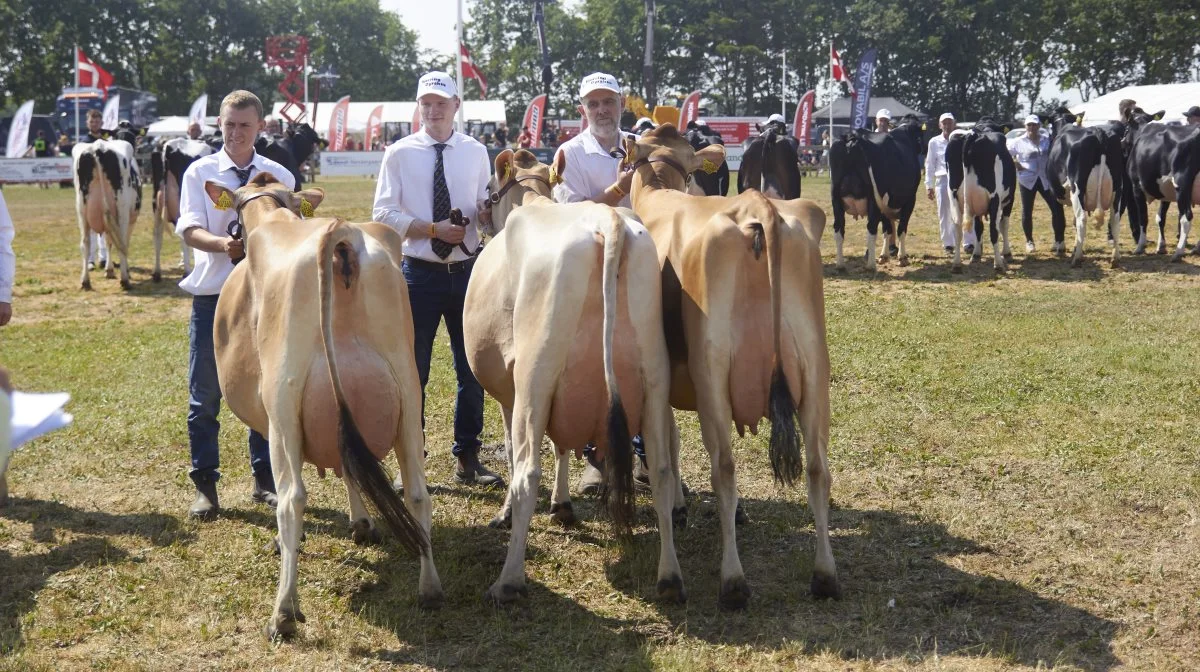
337, 125
416, 120
802, 124
534, 116
690, 110
373, 124
470, 71
91, 74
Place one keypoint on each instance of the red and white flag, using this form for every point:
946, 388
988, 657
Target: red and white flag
836, 69
802, 123
337, 125
373, 125
470, 71
91, 74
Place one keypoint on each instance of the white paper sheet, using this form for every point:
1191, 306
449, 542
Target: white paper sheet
36, 414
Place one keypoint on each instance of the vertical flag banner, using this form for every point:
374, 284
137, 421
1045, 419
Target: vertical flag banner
91, 74
199, 110
18, 133
337, 125
374, 121
534, 116
416, 120
690, 110
862, 88
802, 124
470, 71
836, 70
112, 110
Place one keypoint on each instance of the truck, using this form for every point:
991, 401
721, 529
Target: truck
139, 108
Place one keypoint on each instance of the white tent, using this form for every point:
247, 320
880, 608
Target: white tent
474, 110
1174, 99
168, 126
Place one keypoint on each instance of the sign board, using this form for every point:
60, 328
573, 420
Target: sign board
334, 164
35, 170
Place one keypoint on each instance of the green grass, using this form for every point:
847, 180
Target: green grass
1015, 465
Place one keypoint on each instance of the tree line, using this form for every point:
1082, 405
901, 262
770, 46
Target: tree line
970, 57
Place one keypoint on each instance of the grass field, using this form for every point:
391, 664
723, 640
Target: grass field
1016, 485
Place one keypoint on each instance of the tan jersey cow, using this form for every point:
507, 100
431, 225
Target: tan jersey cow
744, 315
313, 338
563, 326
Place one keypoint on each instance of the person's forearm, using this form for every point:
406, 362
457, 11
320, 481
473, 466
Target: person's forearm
203, 240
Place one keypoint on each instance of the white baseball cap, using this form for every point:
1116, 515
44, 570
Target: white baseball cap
884, 114
701, 122
1032, 119
945, 116
596, 81
776, 118
644, 120
437, 82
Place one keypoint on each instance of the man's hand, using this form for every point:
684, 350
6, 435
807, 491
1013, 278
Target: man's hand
448, 232
5, 312
929, 192
234, 248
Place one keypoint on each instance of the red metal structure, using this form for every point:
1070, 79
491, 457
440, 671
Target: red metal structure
289, 53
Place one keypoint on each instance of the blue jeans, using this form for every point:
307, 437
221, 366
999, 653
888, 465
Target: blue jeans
435, 294
204, 403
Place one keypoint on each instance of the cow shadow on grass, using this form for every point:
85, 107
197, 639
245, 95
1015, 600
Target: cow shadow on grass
26, 575
903, 598
546, 630
937, 269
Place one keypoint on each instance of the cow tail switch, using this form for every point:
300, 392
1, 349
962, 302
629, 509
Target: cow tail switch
619, 463
784, 446
337, 249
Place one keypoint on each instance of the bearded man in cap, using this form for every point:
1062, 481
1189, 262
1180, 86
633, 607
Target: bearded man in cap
422, 177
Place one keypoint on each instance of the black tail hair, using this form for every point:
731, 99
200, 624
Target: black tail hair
786, 461
619, 464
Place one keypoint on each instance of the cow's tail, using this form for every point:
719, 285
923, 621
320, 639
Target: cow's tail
338, 249
619, 462
784, 446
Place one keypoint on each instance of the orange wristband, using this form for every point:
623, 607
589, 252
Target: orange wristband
432, 231
617, 188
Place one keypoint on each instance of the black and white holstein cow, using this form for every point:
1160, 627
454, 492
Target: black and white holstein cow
291, 150
876, 175
771, 164
1086, 169
1163, 164
108, 198
702, 183
167, 167
983, 181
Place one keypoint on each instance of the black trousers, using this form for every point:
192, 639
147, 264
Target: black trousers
1057, 218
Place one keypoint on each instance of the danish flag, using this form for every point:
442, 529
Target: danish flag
836, 69
470, 71
91, 74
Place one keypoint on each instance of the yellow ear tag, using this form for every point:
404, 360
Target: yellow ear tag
507, 173
708, 167
306, 208
225, 202
554, 177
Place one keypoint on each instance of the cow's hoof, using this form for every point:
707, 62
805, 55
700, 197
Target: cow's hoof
679, 517
1008, 256
1075, 261
735, 594
1114, 263
825, 586
739, 515
563, 513
500, 595
883, 259
431, 601
125, 284
1177, 256
999, 269
283, 625
502, 521
86, 285
1162, 249
903, 261
363, 533
110, 274
671, 590
956, 268
156, 277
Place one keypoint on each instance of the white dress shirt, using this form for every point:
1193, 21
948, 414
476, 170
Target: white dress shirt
196, 209
1031, 159
404, 191
8, 261
935, 159
589, 170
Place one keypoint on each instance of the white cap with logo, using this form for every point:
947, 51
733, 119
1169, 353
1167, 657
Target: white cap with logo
644, 121
437, 82
884, 113
776, 118
597, 81
701, 122
945, 116
1032, 119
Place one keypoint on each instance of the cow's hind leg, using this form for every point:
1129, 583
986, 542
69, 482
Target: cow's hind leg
1114, 232
503, 519
286, 464
159, 225
1161, 220
410, 453
529, 424
1080, 225
561, 509
658, 430
814, 422
86, 250
1185, 230
362, 528
993, 219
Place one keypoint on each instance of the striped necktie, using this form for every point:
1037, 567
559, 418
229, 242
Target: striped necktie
441, 202
243, 174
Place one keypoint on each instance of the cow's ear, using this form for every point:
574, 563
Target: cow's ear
1159, 115
220, 195
1006, 128
558, 166
309, 199
631, 149
1079, 118
710, 158
504, 171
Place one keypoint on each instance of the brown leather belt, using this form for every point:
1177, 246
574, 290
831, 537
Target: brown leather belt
451, 267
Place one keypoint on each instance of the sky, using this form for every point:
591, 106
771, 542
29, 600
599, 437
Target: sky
434, 21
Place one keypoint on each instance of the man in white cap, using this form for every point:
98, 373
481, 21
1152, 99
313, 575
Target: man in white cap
883, 120
644, 124
424, 176
592, 173
937, 185
1029, 151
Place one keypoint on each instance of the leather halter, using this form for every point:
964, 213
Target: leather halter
495, 198
238, 226
670, 162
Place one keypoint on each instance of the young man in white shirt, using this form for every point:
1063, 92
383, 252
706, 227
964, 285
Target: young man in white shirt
422, 177
937, 185
1029, 151
205, 228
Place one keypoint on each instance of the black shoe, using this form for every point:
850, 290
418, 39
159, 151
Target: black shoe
949, 249
969, 249
206, 506
264, 496
471, 472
